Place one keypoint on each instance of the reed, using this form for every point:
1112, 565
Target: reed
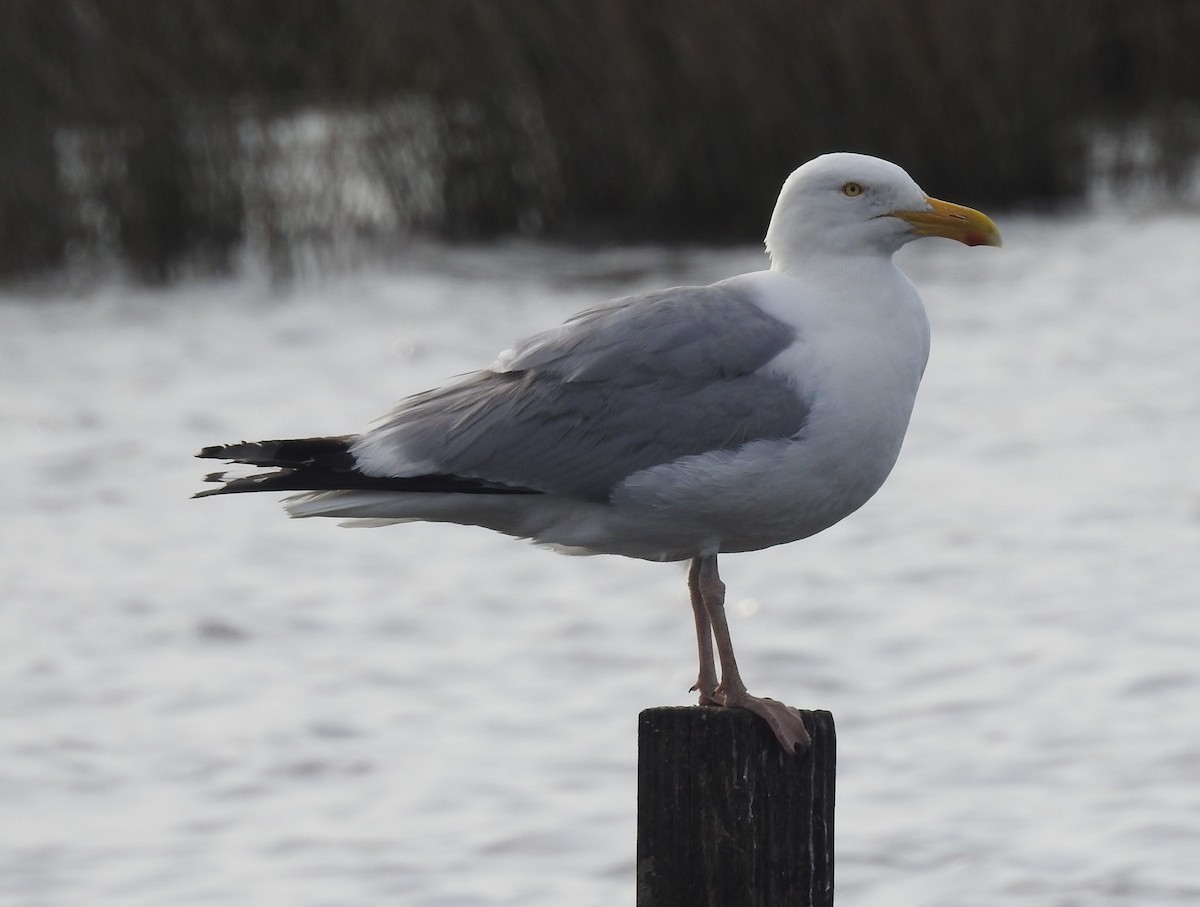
155, 132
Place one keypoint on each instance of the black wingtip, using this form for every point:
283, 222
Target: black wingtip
213, 452
242, 450
280, 480
293, 453
326, 464
211, 477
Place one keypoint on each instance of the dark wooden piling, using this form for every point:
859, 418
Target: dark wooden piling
726, 818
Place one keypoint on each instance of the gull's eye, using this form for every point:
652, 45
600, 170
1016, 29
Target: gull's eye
852, 189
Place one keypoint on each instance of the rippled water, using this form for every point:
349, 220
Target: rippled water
203, 703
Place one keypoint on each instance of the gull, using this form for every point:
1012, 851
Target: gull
674, 425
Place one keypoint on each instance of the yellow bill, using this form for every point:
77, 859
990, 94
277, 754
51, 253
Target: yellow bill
966, 225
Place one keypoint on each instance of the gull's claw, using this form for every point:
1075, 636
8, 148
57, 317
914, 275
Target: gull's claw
785, 722
708, 692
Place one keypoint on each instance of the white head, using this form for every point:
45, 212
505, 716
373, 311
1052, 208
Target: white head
853, 204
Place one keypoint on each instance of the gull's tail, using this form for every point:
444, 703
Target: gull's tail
326, 464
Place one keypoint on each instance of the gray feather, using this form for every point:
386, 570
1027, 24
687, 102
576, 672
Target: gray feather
628, 385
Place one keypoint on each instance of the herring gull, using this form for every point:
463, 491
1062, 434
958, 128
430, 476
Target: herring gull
673, 425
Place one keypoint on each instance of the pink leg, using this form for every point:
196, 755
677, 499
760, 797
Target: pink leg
785, 722
706, 682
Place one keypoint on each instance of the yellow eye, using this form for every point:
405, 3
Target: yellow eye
852, 189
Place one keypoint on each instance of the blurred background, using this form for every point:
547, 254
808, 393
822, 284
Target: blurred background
182, 137
242, 219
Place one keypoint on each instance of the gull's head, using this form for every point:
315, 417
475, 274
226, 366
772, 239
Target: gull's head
853, 204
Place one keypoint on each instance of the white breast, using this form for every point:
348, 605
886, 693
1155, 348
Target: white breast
857, 361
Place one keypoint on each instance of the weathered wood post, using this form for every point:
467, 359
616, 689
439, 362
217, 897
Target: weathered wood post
726, 818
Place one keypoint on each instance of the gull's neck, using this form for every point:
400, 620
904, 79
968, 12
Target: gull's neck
821, 265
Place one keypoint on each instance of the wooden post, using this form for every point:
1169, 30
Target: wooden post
726, 818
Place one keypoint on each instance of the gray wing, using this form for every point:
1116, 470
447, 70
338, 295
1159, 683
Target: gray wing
627, 385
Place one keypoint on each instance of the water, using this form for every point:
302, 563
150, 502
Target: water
203, 703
